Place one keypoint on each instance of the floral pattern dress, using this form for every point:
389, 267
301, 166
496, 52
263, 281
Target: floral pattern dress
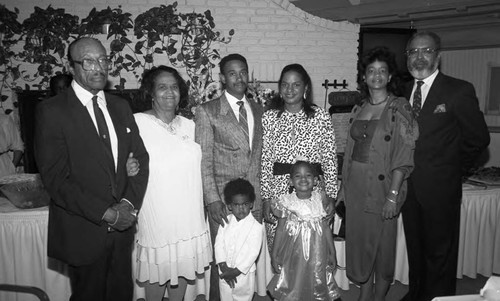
288, 137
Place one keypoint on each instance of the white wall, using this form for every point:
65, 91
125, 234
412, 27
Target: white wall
269, 33
472, 65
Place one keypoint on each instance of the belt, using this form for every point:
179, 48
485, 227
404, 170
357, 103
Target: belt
284, 168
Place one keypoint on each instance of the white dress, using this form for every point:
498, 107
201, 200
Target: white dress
172, 238
10, 140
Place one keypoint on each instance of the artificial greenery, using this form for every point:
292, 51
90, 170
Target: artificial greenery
45, 35
120, 23
9, 29
187, 39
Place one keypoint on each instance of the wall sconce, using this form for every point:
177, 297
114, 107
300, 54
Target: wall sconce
105, 26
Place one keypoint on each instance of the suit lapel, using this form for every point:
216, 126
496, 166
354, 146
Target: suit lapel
230, 122
257, 127
120, 130
87, 131
432, 99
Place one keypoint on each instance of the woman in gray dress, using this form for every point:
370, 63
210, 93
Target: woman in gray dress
378, 160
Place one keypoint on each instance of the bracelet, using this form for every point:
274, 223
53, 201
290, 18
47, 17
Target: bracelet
395, 192
117, 217
392, 201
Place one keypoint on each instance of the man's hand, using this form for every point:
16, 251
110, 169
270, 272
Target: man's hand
218, 212
120, 216
267, 213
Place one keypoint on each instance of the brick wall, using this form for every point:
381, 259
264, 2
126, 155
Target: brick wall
269, 33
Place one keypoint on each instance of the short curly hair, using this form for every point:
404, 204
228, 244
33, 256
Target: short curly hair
381, 54
148, 84
238, 186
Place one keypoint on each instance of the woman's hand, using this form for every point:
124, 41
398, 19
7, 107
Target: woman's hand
389, 210
217, 211
329, 208
267, 212
275, 264
132, 165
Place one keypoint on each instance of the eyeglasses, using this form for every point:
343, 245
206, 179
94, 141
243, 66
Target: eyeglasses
425, 51
90, 65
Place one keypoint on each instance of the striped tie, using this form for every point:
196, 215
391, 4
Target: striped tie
243, 119
417, 98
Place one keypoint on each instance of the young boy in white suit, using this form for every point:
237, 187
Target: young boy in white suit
238, 243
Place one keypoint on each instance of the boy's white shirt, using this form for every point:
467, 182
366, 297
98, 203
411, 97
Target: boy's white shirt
238, 243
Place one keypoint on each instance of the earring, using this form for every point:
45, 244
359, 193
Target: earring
305, 95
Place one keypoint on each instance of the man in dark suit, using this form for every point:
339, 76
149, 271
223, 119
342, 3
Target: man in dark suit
231, 145
83, 139
453, 134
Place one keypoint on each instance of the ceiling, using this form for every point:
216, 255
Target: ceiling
461, 24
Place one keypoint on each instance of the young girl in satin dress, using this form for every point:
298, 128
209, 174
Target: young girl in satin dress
303, 253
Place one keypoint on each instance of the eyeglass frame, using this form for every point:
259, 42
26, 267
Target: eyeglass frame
427, 51
94, 62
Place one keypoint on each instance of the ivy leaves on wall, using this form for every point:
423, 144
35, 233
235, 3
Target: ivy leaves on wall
187, 39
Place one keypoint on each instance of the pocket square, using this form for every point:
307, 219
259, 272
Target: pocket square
128, 130
440, 108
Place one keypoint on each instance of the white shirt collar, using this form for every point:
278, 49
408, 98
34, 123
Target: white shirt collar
430, 79
233, 100
85, 96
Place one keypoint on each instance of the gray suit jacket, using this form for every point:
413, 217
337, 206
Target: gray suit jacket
225, 153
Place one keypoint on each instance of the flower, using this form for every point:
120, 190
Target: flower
260, 94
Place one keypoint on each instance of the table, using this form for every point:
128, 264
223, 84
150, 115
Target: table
23, 254
479, 249
460, 298
479, 243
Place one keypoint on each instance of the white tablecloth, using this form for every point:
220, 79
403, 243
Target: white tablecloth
479, 244
479, 250
23, 254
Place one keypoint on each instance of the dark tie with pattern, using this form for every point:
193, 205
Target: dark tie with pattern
243, 119
417, 98
102, 126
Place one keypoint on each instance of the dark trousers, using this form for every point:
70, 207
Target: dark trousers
214, 270
109, 278
432, 233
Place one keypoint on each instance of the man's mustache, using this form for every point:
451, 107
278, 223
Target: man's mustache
420, 64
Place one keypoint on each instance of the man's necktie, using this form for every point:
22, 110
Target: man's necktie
417, 98
243, 119
102, 127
